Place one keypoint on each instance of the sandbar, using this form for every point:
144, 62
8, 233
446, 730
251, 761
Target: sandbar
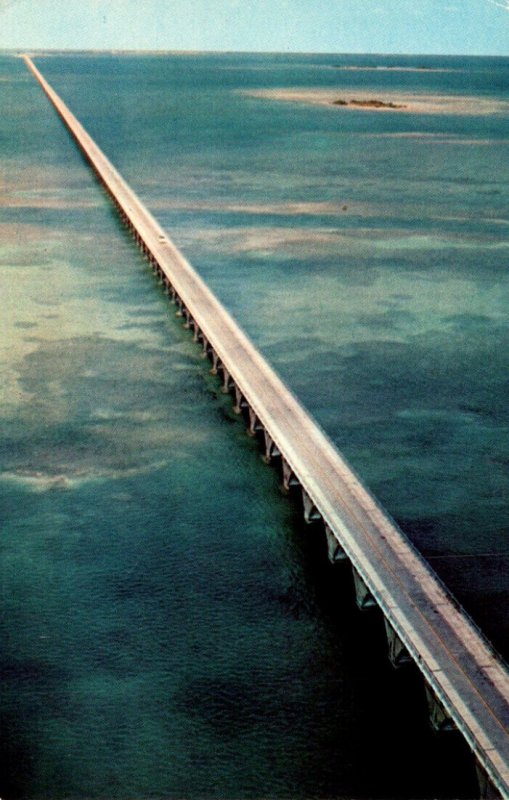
392, 69
391, 102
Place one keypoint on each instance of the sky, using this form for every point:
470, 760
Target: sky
467, 27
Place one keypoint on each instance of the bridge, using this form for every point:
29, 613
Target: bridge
467, 683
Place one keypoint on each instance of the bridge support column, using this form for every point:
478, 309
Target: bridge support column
438, 716
227, 382
216, 363
289, 477
240, 401
363, 596
205, 346
398, 654
486, 789
254, 424
334, 550
271, 448
311, 513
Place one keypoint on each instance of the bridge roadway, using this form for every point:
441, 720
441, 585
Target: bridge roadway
467, 680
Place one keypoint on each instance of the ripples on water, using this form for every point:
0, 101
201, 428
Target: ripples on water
168, 627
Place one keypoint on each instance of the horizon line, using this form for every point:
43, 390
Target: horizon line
19, 51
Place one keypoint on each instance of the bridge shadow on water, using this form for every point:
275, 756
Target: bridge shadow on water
391, 751
393, 745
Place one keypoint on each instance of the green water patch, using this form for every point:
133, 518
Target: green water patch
100, 399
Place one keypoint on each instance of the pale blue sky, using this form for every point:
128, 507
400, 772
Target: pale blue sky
379, 26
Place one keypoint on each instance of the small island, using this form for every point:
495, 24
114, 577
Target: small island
368, 104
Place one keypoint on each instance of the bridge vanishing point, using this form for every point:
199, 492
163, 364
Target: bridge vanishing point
467, 683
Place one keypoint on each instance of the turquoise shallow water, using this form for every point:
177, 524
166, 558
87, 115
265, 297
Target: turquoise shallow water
168, 628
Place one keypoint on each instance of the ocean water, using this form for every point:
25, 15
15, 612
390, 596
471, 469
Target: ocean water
169, 627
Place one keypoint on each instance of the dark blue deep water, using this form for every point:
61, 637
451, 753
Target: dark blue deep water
168, 626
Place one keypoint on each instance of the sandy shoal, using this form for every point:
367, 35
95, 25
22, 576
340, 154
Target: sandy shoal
411, 103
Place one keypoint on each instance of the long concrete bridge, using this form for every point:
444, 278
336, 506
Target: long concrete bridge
467, 684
